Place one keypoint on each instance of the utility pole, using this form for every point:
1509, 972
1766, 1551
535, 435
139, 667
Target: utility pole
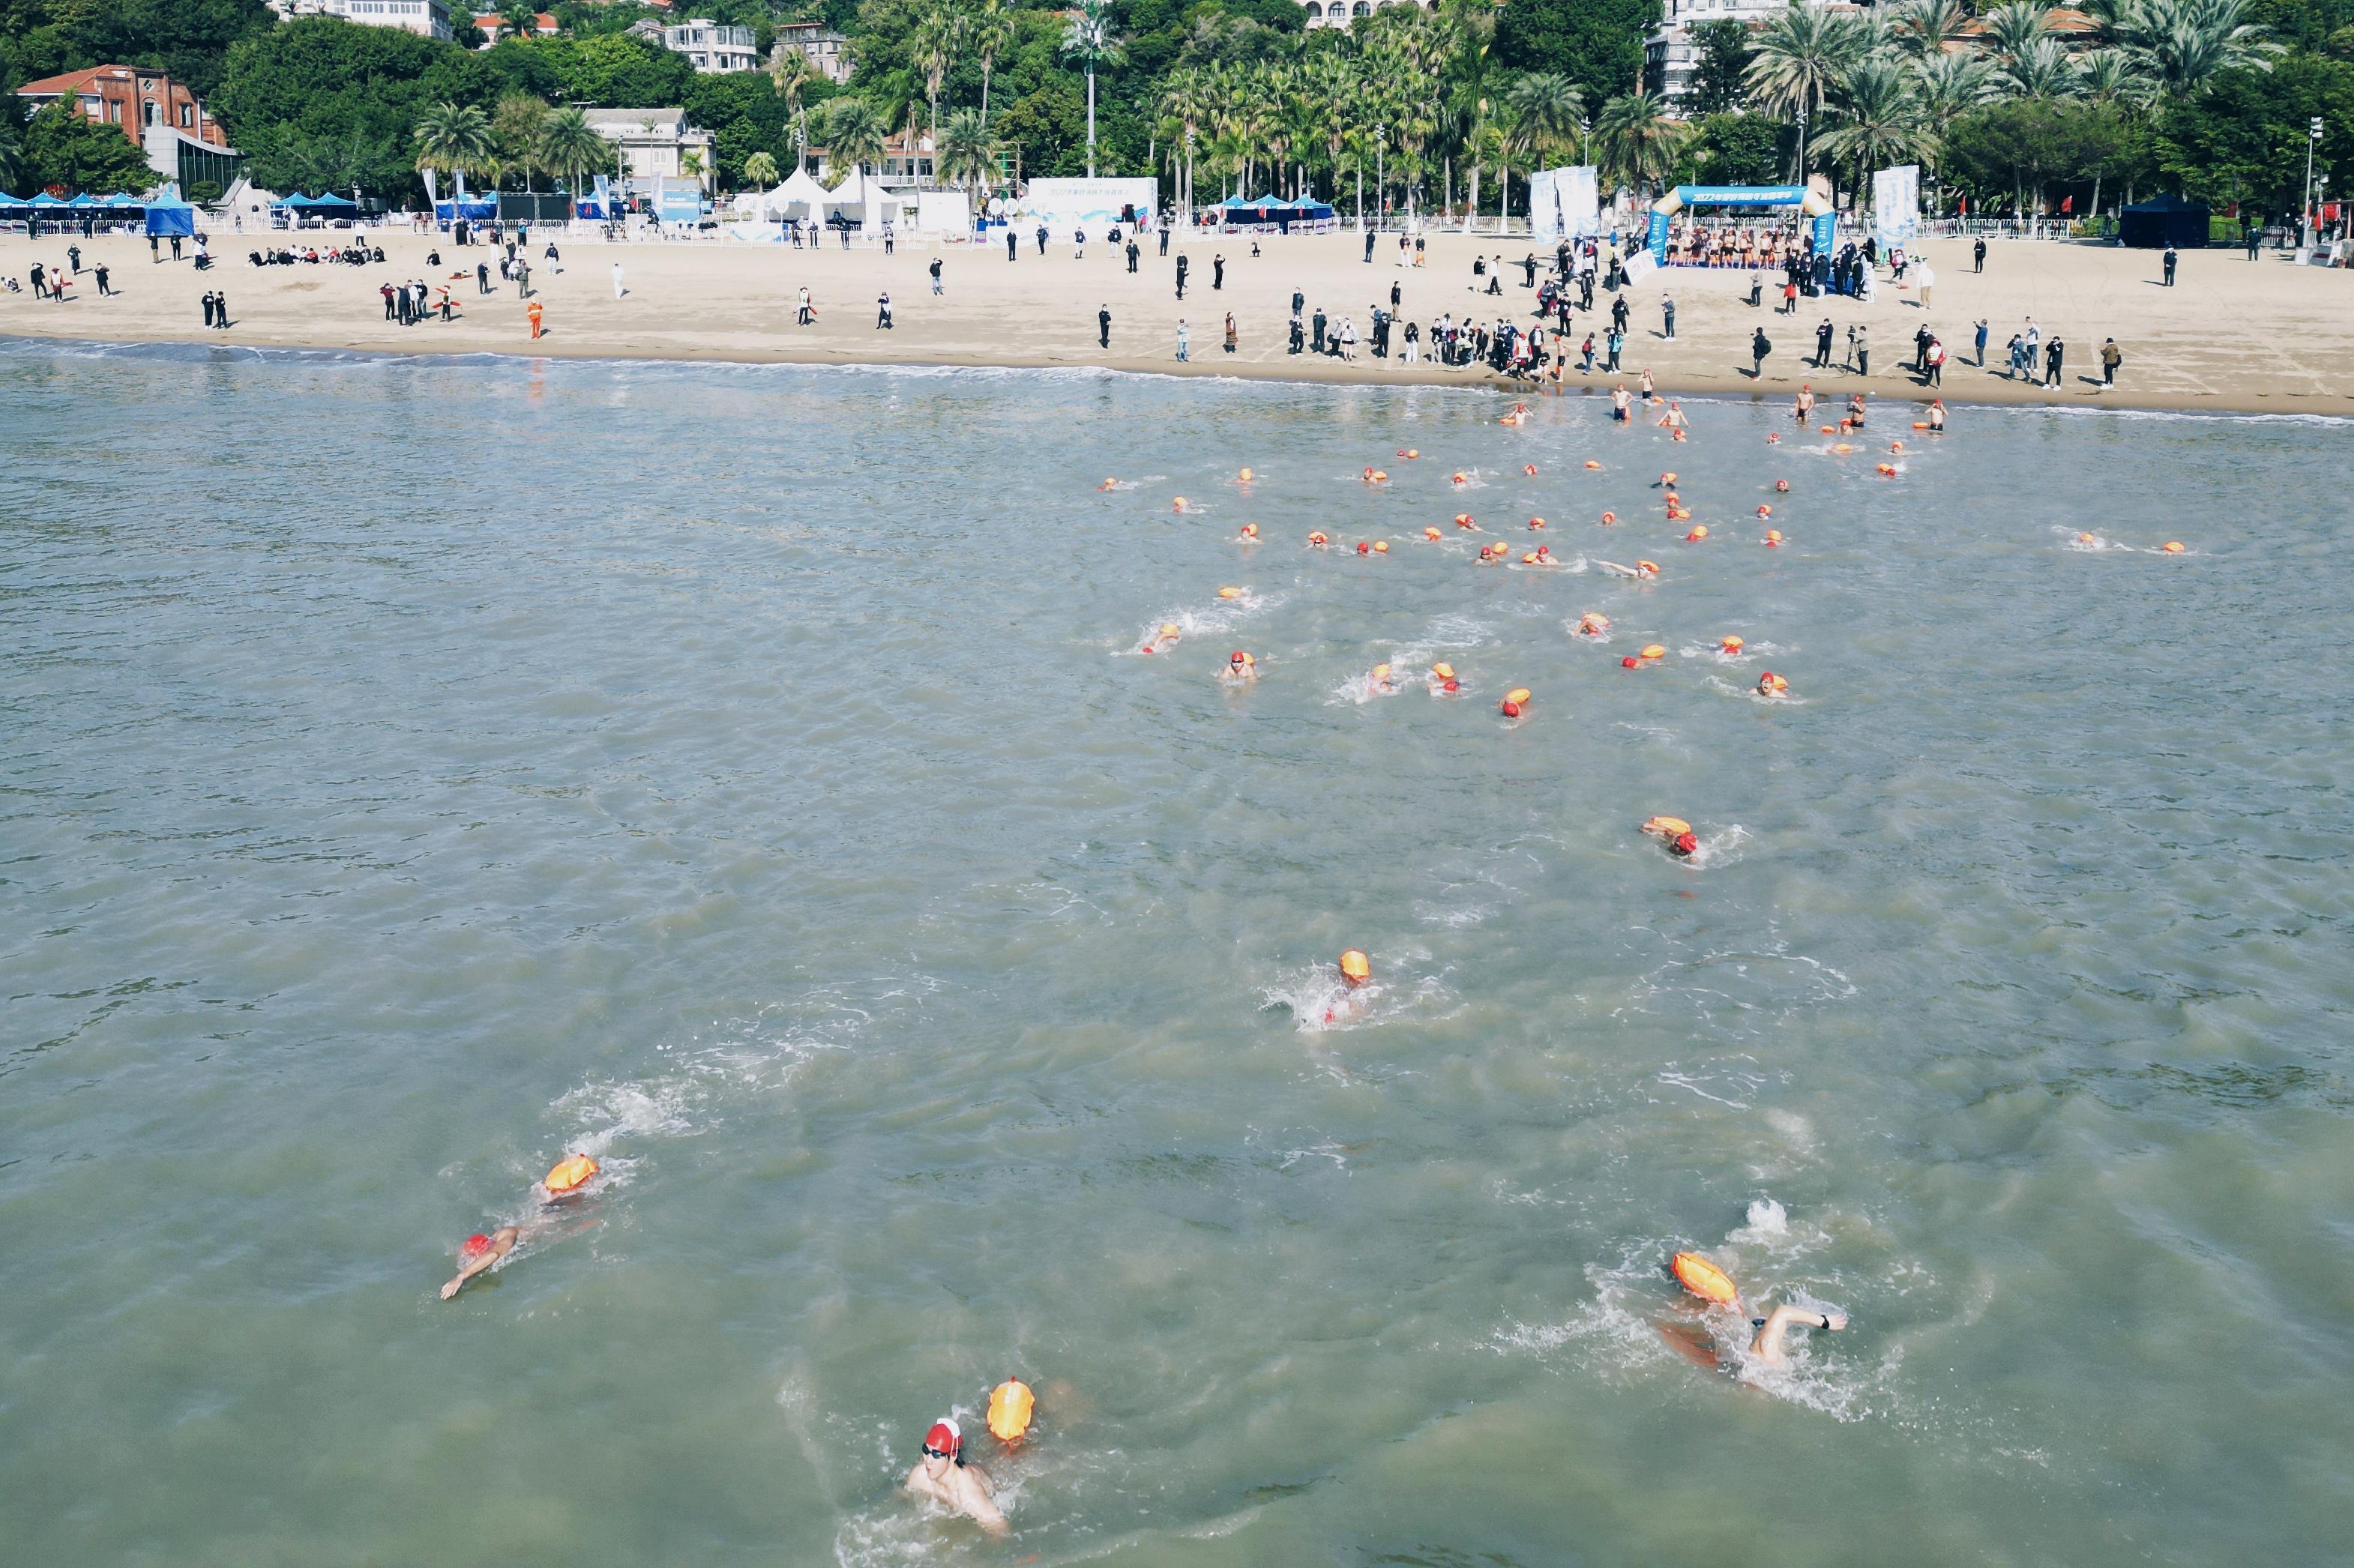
2312, 140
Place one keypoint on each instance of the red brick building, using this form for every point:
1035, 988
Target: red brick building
131, 97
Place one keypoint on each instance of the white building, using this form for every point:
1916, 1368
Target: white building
655, 142
1670, 55
821, 43
427, 18
712, 48
1341, 13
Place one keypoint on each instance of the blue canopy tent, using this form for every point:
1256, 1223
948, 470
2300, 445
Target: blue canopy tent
45, 201
329, 200
1272, 212
124, 201
474, 209
168, 214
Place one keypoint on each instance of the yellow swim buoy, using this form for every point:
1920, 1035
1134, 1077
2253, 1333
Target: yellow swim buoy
1230, 593
1653, 650
1667, 827
571, 1173
1011, 1402
2172, 546
1703, 1278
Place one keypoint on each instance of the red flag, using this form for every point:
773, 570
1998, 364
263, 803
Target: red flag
2067, 204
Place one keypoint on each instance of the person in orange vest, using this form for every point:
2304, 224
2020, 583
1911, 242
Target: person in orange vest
532, 309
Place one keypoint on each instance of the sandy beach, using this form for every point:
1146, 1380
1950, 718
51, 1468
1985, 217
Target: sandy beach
2233, 335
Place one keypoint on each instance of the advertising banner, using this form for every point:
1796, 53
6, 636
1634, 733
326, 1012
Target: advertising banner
1094, 204
1896, 205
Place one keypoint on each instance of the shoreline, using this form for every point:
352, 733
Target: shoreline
2289, 350
1735, 388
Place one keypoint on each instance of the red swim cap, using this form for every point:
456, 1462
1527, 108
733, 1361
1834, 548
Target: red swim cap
1686, 844
944, 1438
1364, 548
1452, 686
1512, 710
1629, 662
474, 1245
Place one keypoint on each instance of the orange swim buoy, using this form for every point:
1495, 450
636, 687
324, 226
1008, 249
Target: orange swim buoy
1413, 452
1700, 532
1765, 510
1647, 569
1829, 430
1920, 424
1529, 559
1463, 520
1432, 534
1179, 505
1355, 967
1250, 531
1011, 1404
1654, 650
1667, 827
1772, 537
1667, 479
1246, 477
1704, 1279
569, 1174
1514, 701
2171, 547
1730, 644
1592, 625
1536, 522
1443, 670
1319, 540
1458, 478
1230, 593
1591, 463
1109, 484
1381, 546
1887, 469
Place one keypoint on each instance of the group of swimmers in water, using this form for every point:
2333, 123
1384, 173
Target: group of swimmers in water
943, 1474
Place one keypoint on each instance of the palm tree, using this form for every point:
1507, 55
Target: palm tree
792, 71
1549, 109
853, 132
522, 18
518, 124
1880, 121
1184, 98
2108, 76
1920, 27
1088, 40
453, 138
967, 150
2178, 45
988, 28
761, 170
2013, 28
1639, 142
2041, 70
567, 143
1800, 57
931, 46
1949, 85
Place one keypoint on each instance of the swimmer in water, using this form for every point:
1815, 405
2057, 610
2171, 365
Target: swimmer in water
479, 1252
1806, 404
1170, 635
1378, 680
1937, 413
1442, 680
1767, 1344
1356, 973
1855, 410
1674, 419
1675, 833
1241, 666
943, 1477
1770, 684
1618, 407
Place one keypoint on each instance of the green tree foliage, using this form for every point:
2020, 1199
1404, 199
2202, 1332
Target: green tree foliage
2243, 139
1723, 56
1597, 44
65, 147
188, 39
1742, 150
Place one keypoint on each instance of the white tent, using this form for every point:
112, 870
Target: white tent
800, 197
862, 198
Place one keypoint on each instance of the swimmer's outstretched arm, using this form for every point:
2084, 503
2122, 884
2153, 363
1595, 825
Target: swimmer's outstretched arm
1767, 1346
503, 1242
979, 1506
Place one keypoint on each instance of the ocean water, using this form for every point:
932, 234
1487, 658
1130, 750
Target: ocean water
417, 770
